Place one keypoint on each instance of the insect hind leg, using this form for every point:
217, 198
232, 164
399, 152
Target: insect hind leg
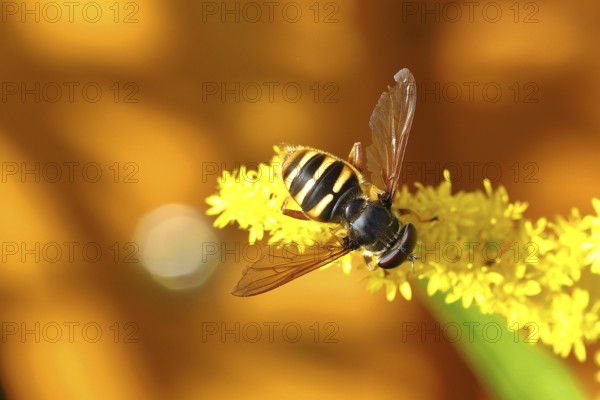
293, 213
357, 156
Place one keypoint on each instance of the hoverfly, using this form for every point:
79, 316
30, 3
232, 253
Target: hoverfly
331, 190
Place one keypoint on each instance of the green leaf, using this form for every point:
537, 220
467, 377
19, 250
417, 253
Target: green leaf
506, 364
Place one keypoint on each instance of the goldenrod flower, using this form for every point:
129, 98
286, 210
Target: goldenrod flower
539, 275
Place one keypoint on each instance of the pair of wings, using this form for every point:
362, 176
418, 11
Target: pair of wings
390, 126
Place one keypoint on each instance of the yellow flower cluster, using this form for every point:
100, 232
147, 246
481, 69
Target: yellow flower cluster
543, 277
253, 199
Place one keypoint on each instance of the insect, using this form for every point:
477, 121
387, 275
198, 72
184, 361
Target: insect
331, 190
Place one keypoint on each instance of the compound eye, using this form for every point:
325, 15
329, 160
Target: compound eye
408, 239
403, 249
354, 208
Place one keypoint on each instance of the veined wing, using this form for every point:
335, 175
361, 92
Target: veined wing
390, 126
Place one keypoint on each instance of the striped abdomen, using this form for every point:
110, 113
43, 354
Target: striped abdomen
318, 182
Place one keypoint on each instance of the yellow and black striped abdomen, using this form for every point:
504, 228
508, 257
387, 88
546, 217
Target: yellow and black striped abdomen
318, 181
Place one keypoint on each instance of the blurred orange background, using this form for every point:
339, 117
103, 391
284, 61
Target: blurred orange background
111, 110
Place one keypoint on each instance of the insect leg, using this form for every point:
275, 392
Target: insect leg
356, 156
369, 261
293, 213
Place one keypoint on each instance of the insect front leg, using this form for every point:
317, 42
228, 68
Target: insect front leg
293, 213
369, 261
356, 156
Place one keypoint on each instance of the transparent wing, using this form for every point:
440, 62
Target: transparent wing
280, 266
390, 126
